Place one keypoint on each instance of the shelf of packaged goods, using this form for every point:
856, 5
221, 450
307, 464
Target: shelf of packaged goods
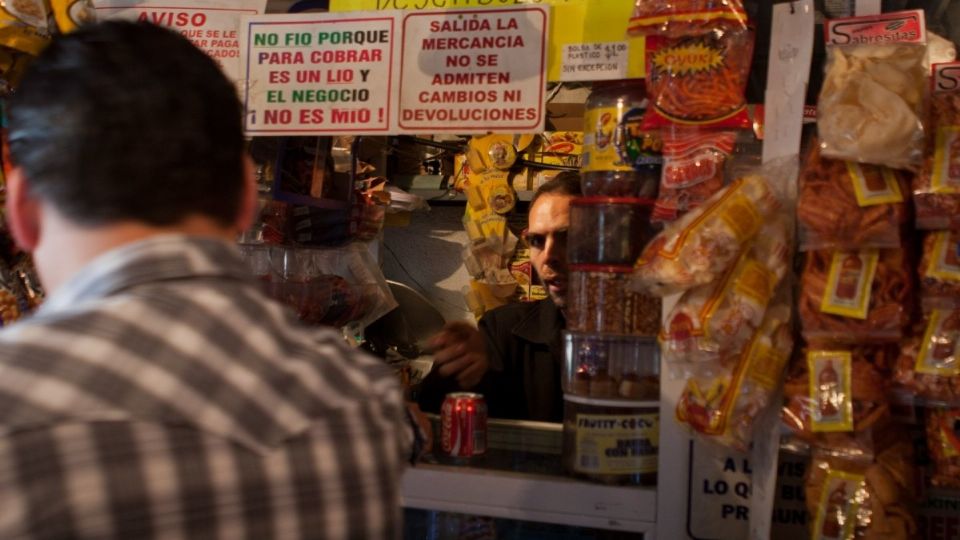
432, 188
527, 497
521, 477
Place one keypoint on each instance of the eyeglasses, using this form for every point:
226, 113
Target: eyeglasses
539, 240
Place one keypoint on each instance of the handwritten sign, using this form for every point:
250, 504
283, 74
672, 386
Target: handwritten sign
317, 73
594, 61
473, 71
211, 25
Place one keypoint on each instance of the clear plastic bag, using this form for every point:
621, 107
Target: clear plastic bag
699, 80
838, 398
855, 296
724, 398
719, 318
675, 18
929, 361
693, 170
870, 108
939, 270
699, 247
936, 188
943, 441
863, 499
846, 205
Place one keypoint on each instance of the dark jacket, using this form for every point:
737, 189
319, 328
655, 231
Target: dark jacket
525, 353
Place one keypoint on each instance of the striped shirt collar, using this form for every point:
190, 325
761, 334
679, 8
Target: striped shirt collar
158, 258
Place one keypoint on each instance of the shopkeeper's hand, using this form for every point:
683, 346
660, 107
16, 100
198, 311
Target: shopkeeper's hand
460, 351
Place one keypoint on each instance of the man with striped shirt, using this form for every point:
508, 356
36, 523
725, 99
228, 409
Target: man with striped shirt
158, 393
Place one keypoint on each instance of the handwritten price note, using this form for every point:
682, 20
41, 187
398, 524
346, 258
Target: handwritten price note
594, 61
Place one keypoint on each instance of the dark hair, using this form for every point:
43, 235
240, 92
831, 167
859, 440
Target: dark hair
128, 121
565, 183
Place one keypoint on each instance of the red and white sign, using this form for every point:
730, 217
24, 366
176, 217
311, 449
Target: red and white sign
212, 25
320, 73
473, 71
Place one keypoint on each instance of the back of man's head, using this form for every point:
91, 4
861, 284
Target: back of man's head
124, 121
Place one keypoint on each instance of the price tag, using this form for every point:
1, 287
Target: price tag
791, 51
594, 61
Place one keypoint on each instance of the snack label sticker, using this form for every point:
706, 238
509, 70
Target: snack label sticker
874, 185
848, 283
946, 77
939, 354
945, 177
617, 444
839, 502
831, 406
897, 27
741, 216
945, 261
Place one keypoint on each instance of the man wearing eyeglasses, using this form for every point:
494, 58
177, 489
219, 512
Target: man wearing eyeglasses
514, 355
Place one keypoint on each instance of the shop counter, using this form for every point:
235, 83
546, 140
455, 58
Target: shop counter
521, 479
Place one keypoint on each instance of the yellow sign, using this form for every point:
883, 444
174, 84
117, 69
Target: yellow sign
572, 22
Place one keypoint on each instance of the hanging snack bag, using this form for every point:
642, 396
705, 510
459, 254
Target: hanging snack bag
855, 296
699, 80
943, 440
871, 103
724, 402
862, 498
837, 397
693, 169
929, 362
719, 318
940, 270
70, 14
676, 18
699, 247
936, 187
848, 205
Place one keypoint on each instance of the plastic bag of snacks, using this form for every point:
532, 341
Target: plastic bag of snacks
693, 169
70, 14
852, 498
943, 441
929, 362
699, 247
855, 296
940, 270
719, 318
675, 18
23, 25
871, 103
723, 401
936, 188
836, 393
847, 205
699, 80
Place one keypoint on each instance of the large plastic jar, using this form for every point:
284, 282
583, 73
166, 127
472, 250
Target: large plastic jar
619, 159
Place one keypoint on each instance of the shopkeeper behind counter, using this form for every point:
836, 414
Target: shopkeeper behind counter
514, 356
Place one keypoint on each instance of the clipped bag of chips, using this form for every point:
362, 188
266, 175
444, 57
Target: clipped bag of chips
699, 80
676, 18
693, 169
870, 108
936, 188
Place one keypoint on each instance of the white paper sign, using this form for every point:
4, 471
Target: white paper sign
320, 73
719, 487
791, 51
594, 61
473, 71
212, 25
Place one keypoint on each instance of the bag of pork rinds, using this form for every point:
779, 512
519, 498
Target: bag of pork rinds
676, 18
871, 104
936, 187
699, 80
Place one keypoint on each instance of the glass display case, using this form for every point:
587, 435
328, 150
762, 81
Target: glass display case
519, 489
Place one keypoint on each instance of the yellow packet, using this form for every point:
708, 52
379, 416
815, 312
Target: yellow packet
23, 25
70, 14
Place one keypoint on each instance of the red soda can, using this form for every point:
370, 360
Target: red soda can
463, 424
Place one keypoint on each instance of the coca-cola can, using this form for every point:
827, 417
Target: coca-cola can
463, 424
